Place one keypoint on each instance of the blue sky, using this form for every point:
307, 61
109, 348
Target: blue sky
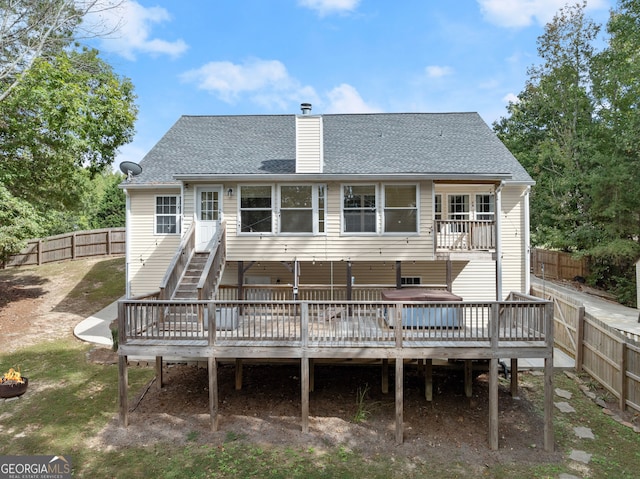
220, 57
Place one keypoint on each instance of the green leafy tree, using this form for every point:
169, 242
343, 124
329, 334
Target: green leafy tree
110, 211
18, 221
67, 115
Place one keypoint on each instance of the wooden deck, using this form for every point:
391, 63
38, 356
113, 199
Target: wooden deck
521, 327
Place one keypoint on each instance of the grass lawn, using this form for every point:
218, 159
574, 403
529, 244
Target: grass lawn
70, 400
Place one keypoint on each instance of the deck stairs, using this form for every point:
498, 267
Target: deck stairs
188, 285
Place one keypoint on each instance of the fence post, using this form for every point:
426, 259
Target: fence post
109, 242
623, 376
73, 245
580, 340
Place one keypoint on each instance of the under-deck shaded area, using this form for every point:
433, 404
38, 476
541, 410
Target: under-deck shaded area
310, 331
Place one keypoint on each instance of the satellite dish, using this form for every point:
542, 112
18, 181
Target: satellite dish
130, 169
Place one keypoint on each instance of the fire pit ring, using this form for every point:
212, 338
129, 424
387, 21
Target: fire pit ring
10, 389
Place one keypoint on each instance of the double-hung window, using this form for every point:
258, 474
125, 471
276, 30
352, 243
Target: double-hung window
256, 209
400, 209
485, 207
359, 208
167, 215
302, 208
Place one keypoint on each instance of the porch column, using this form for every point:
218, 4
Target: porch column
449, 273
398, 274
498, 215
240, 280
123, 386
213, 392
349, 281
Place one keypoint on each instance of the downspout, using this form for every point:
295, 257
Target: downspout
527, 242
127, 243
499, 241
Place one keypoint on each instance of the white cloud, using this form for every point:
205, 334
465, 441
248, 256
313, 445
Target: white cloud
511, 98
131, 24
267, 82
522, 13
346, 99
327, 7
435, 71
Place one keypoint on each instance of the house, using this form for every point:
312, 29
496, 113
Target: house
341, 210
326, 190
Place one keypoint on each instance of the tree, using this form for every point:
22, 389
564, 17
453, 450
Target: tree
550, 131
575, 128
31, 29
110, 211
18, 222
67, 117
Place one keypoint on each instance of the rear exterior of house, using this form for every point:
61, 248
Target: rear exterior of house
311, 238
366, 199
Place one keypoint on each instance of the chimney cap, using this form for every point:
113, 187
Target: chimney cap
306, 108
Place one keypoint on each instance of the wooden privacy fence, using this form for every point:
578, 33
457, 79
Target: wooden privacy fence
557, 265
610, 356
79, 244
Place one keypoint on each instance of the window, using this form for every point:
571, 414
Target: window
209, 205
438, 210
485, 207
459, 207
410, 280
256, 213
400, 209
359, 209
301, 208
167, 215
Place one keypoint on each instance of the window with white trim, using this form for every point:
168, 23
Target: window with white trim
400, 209
485, 207
256, 209
359, 211
458, 207
302, 208
167, 215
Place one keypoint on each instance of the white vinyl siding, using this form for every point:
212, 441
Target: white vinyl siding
149, 255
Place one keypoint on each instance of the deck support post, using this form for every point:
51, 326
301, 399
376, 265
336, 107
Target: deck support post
385, 376
349, 281
493, 404
312, 375
468, 378
398, 274
238, 374
449, 275
514, 377
213, 392
123, 386
548, 404
159, 372
428, 379
399, 401
304, 376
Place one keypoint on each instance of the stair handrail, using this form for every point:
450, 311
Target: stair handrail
211, 274
178, 264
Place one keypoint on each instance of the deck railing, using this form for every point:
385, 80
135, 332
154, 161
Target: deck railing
311, 292
178, 264
464, 235
337, 323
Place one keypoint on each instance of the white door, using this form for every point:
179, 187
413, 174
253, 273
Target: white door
207, 215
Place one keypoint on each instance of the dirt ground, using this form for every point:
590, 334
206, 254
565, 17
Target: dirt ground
266, 410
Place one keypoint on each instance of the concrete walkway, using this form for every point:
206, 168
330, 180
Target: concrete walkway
614, 314
95, 329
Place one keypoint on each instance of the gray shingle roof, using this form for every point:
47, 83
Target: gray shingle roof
380, 143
